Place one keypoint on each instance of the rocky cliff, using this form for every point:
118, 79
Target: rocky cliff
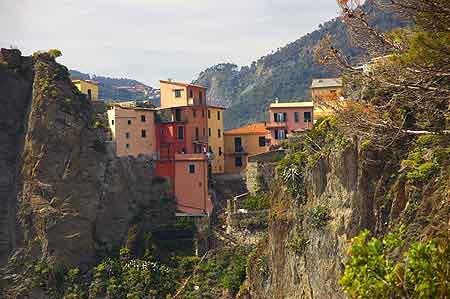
350, 190
65, 198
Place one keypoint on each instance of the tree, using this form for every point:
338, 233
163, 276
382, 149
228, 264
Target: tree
54, 53
407, 87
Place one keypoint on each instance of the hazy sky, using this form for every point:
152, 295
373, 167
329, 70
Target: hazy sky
150, 40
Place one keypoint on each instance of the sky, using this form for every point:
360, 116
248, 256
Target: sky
149, 40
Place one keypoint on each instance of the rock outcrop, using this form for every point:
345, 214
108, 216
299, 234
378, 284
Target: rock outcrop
65, 198
360, 190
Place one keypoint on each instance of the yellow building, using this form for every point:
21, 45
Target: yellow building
325, 93
216, 139
243, 142
88, 88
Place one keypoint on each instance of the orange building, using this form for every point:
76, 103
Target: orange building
176, 94
88, 88
243, 142
286, 118
133, 131
325, 92
216, 143
191, 185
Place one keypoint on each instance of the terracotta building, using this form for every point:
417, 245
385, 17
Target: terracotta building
133, 131
191, 185
88, 88
325, 93
242, 142
286, 118
216, 144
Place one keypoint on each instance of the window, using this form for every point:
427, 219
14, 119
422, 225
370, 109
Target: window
262, 141
210, 149
177, 115
144, 134
180, 133
200, 96
333, 91
296, 117
127, 135
196, 133
219, 133
307, 116
129, 121
127, 145
209, 113
191, 168
209, 132
280, 117
194, 113
191, 93
218, 115
178, 93
204, 132
203, 113
143, 118
220, 151
238, 161
89, 94
112, 121
280, 134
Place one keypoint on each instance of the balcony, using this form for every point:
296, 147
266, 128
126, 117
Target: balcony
199, 140
275, 125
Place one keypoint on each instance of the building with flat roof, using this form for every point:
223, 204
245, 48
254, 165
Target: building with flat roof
177, 94
216, 143
88, 88
132, 131
326, 93
288, 117
242, 142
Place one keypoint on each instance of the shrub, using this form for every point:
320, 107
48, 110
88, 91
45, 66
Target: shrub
54, 53
421, 273
319, 216
252, 203
298, 244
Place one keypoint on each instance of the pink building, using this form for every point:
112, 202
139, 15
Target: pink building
286, 118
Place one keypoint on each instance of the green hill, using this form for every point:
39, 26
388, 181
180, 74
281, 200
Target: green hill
285, 74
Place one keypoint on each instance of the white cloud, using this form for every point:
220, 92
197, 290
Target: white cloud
152, 39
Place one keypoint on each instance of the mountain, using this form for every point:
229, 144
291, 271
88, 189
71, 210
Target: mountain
120, 89
285, 74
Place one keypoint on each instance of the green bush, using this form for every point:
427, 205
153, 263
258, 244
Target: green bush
54, 53
253, 203
298, 244
319, 216
372, 272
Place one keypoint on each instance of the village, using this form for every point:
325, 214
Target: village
185, 136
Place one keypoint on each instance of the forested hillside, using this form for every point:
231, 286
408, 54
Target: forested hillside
285, 74
122, 89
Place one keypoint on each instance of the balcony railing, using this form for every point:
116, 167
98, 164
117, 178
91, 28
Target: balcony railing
199, 139
273, 125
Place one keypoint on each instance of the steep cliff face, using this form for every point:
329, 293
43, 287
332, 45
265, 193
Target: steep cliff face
74, 199
305, 251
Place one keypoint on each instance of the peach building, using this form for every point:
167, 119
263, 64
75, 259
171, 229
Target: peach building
325, 93
191, 185
88, 88
286, 118
243, 142
216, 144
133, 131
176, 94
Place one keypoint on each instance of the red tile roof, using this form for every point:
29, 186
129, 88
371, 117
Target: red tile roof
257, 129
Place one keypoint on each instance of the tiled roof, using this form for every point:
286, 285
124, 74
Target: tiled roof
257, 128
292, 105
326, 82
